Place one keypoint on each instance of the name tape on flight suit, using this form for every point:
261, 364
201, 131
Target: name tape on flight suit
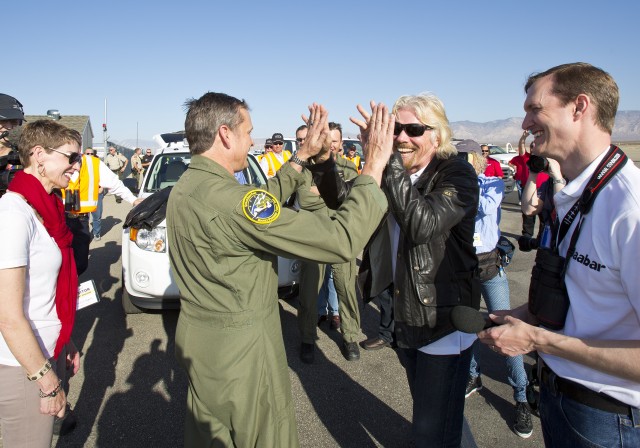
260, 207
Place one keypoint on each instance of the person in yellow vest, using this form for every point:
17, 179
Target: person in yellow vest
353, 157
272, 161
81, 198
268, 147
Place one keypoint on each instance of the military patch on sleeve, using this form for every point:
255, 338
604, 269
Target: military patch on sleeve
260, 207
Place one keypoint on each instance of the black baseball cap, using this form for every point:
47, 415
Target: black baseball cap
10, 108
268, 142
277, 137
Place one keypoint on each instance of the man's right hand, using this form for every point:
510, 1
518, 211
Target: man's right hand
378, 143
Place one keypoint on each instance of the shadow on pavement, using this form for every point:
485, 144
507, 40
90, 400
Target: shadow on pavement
352, 415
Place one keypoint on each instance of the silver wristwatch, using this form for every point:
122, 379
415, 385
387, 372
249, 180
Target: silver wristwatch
298, 160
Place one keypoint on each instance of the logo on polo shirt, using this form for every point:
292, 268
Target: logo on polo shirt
585, 260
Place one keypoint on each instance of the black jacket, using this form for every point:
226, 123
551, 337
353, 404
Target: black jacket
436, 261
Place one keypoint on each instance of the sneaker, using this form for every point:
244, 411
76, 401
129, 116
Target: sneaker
523, 425
474, 384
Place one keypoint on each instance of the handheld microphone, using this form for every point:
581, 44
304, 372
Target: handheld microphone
469, 320
4, 134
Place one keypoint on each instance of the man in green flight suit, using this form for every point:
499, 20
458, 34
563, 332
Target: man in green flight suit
225, 239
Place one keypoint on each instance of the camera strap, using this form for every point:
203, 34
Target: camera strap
612, 162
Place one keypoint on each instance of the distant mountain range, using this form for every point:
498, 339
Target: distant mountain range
499, 132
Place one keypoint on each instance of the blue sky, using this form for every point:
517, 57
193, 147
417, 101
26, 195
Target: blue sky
146, 58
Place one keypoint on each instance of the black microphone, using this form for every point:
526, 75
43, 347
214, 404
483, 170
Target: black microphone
469, 320
4, 134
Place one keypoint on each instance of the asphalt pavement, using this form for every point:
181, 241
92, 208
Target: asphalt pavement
130, 392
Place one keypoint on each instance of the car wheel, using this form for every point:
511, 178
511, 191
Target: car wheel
127, 304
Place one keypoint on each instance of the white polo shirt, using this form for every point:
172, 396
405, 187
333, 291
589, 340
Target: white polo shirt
603, 279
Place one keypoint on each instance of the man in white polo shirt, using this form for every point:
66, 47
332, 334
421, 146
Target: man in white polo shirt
590, 368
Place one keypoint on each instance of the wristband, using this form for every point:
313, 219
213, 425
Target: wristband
559, 181
53, 393
45, 368
295, 159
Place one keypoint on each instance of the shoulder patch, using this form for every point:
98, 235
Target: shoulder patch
260, 207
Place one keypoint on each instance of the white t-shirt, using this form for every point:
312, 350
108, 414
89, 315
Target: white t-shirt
25, 242
603, 279
453, 343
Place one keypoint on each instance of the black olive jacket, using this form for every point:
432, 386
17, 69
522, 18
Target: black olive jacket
436, 261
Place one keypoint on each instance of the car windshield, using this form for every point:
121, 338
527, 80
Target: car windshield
497, 150
166, 169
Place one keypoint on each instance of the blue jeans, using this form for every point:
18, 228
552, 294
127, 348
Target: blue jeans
567, 423
327, 297
96, 217
519, 188
437, 384
496, 296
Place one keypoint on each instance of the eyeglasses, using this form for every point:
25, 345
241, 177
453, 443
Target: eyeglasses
74, 157
89, 153
485, 151
278, 143
411, 129
300, 140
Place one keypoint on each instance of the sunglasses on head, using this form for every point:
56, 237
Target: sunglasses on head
411, 129
74, 157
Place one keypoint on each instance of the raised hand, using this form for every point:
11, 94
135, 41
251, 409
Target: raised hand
378, 144
318, 138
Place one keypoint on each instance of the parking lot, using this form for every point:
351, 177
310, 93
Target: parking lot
130, 392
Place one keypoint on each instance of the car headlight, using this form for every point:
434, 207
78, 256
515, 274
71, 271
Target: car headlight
154, 240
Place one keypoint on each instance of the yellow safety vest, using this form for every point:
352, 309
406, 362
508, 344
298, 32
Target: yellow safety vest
274, 163
88, 182
356, 161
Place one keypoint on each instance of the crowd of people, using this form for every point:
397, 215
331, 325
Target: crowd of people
425, 214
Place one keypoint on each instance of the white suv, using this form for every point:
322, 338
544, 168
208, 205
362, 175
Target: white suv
147, 281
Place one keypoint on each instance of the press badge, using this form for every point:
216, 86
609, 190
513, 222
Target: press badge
87, 294
477, 241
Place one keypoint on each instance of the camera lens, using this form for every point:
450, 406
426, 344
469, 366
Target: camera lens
537, 164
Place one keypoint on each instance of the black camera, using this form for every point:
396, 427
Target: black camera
548, 297
537, 164
9, 165
527, 243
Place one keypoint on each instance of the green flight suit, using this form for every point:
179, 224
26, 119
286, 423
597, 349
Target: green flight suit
345, 274
224, 241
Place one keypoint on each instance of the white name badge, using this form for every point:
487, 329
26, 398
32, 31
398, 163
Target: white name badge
87, 294
477, 240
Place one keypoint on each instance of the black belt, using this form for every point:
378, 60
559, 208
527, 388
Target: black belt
77, 215
581, 394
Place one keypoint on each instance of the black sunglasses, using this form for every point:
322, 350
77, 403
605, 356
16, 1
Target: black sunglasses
411, 129
278, 142
268, 146
74, 157
300, 140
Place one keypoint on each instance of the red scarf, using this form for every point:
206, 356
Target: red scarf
50, 208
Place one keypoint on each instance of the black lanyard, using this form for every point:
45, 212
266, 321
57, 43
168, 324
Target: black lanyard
612, 162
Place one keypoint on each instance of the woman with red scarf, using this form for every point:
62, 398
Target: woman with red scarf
38, 286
